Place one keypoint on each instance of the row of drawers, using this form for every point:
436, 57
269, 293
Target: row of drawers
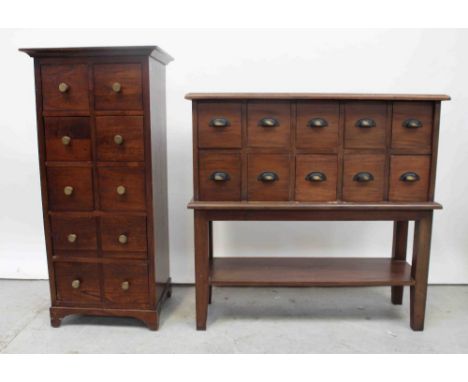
269, 177
118, 285
114, 87
119, 188
317, 125
118, 138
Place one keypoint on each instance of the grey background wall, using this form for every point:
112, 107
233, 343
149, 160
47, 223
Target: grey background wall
415, 61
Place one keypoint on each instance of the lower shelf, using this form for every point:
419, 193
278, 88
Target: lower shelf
300, 271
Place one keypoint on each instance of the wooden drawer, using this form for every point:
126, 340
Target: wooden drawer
120, 139
73, 233
316, 177
126, 284
365, 125
219, 125
412, 126
268, 124
317, 125
268, 177
122, 188
219, 176
118, 87
363, 178
77, 283
67, 138
65, 87
70, 188
409, 178
123, 233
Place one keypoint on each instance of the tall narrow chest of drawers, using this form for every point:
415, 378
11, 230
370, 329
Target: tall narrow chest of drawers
306, 156
102, 150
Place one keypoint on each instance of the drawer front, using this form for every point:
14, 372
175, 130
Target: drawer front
363, 178
72, 233
409, 178
120, 139
122, 188
317, 125
316, 177
219, 125
123, 233
77, 283
219, 176
412, 126
268, 124
268, 177
70, 188
365, 124
65, 87
126, 285
67, 138
118, 87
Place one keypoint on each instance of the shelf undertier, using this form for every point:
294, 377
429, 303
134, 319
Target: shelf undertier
300, 271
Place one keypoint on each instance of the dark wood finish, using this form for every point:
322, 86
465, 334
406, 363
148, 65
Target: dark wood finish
371, 191
130, 129
91, 114
400, 238
302, 271
317, 133
316, 191
401, 191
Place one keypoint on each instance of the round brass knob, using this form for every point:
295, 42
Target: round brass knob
72, 238
118, 139
121, 190
76, 284
123, 239
63, 87
66, 140
68, 190
125, 285
116, 87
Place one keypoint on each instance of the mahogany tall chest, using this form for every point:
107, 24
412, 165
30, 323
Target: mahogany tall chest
306, 156
102, 147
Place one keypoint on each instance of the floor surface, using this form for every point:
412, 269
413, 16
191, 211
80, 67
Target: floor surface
244, 320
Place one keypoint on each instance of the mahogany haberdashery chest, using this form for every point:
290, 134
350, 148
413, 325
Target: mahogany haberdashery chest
102, 148
306, 156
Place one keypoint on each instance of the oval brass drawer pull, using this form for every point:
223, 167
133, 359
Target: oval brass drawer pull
268, 176
219, 122
63, 87
366, 123
125, 285
409, 177
316, 177
412, 123
123, 239
363, 177
317, 122
68, 190
76, 284
66, 140
118, 139
72, 237
121, 190
269, 122
220, 176
116, 87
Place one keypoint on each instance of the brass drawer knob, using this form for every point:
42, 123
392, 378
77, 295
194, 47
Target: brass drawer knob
409, 177
68, 190
123, 239
118, 139
412, 123
76, 284
125, 285
219, 122
121, 190
72, 238
317, 122
269, 122
316, 177
366, 123
268, 176
116, 87
63, 87
66, 140
220, 176
363, 177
